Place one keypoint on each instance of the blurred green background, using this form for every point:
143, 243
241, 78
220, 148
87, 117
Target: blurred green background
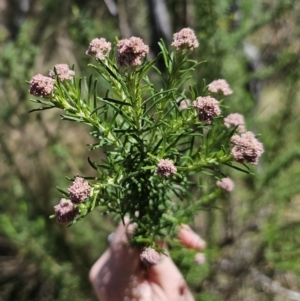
253, 237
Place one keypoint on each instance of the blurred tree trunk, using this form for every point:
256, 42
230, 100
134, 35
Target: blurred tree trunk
160, 25
123, 18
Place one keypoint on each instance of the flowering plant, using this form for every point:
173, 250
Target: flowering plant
154, 138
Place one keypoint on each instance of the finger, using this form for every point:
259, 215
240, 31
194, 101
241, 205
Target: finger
113, 273
123, 257
190, 239
166, 277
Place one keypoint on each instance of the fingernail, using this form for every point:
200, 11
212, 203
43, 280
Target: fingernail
190, 239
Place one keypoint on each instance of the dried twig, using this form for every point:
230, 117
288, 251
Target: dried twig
268, 285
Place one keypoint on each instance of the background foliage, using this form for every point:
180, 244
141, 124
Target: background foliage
253, 236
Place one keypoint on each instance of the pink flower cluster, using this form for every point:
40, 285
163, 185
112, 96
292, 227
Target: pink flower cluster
246, 148
185, 39
79, 191
236, 120
41, 86
66, 210
131, 52
219, 86
208, 109
226, 184
63, 72
99, 48
150, 257
165, 168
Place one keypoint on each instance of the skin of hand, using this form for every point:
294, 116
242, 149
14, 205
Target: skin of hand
119, 274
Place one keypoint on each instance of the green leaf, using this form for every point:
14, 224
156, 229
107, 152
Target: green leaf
148, 167
165, 53
157, 145
96, 109
238, 168
89, 88
93, 165
62, 191
146, 67
120, 112
41, 109
161, 93
41, 101
116, 101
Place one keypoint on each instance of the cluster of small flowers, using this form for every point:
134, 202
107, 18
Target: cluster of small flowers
42, 86
66, 210
99, 48
165, 168
236, 120
226, 184
219, 86
185, 39
62, 71
207, 108
150, 257
246, 148
79, 191
131, 52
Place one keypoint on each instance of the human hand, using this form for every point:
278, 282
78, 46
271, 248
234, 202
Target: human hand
119, 274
